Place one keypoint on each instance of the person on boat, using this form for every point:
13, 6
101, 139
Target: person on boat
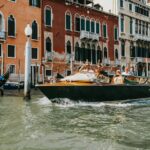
118, 79
132, 72
126, 72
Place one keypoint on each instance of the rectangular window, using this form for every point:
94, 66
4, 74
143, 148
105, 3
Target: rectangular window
68, 72
97, 28
36, 3
11, 51
77, 24
131, 26
116, 34
0, 50
122, 24
136, 26
48, 72
121, 3
104, 31
34, 53
82, 24
123, 50
88, 25
68, 22
12, 69
130, 7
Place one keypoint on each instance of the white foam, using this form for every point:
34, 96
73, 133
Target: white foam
44, 101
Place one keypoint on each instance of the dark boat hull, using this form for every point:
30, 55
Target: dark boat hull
97, 93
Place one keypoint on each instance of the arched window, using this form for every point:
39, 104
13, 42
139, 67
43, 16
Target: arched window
99, 55
116, 54
11, 26
93, 54
1, 22
105, 30
77, 52
34, 30
105, 52
48, 16
82, 23
87, 24
77, 22
92, 26
122, 48
68, 47
82, 52
48, 45
132, 50
98, 27
68, 21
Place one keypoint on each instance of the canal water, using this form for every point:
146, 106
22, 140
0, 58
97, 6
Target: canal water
41, 125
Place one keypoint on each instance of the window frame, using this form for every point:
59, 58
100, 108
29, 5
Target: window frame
69, 14
47, 7
37, 53
14, 51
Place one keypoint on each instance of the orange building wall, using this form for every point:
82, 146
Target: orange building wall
23, 14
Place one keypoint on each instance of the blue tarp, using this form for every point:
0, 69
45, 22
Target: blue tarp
1, 78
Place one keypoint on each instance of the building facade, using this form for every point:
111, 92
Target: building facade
134, 34
14, 16
77, 32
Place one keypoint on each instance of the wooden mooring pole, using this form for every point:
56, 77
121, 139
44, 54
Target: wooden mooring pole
1, 92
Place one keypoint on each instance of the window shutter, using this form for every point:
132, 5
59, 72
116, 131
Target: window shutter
48, 17
39, 3
30, 2
68, 24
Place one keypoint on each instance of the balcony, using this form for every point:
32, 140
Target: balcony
106, 61
84, 35
117, 62
2, 35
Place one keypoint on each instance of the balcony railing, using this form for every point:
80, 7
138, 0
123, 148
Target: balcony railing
117, 62
106, 61
84, 35
2, 35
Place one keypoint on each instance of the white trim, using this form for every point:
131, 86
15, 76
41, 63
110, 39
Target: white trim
14, 51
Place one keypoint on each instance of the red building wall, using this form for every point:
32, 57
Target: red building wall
58, 29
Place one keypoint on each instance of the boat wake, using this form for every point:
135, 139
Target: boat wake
65, 102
